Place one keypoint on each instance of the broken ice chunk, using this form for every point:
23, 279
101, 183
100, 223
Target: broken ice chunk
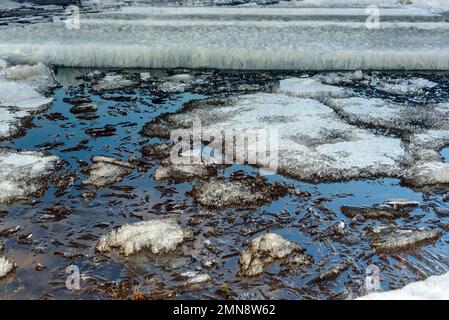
401, 203
183, 172
113, 82
405, 86
106, 171
430, 173
22, 91
245, 192
24, 173
314, 144
38, 76
195, 277
310, 88
159, 236
6, 266
375, 212
400, 240
266, 249
21, 96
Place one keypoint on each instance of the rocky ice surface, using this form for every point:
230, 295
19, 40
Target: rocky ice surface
158, 236
24, 173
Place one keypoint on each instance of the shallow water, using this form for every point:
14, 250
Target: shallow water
308, 221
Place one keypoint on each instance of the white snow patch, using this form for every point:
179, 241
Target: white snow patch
371, 111
433, 288
158, 236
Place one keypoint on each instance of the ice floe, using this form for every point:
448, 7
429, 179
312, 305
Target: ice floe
113, 82
106, 171
183, 172
405, 239
158, 236
195, 277
246, 192
266, 249
313, 144
23, 91
24, 173
327, 132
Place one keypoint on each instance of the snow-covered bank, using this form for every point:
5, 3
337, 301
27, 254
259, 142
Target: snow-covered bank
433, 288
292, 38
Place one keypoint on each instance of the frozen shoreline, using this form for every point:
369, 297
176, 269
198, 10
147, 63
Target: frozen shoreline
211, 37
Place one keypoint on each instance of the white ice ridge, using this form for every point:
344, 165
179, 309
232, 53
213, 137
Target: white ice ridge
209, 37
433, 288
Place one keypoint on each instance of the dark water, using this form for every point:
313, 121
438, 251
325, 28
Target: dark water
219, 234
